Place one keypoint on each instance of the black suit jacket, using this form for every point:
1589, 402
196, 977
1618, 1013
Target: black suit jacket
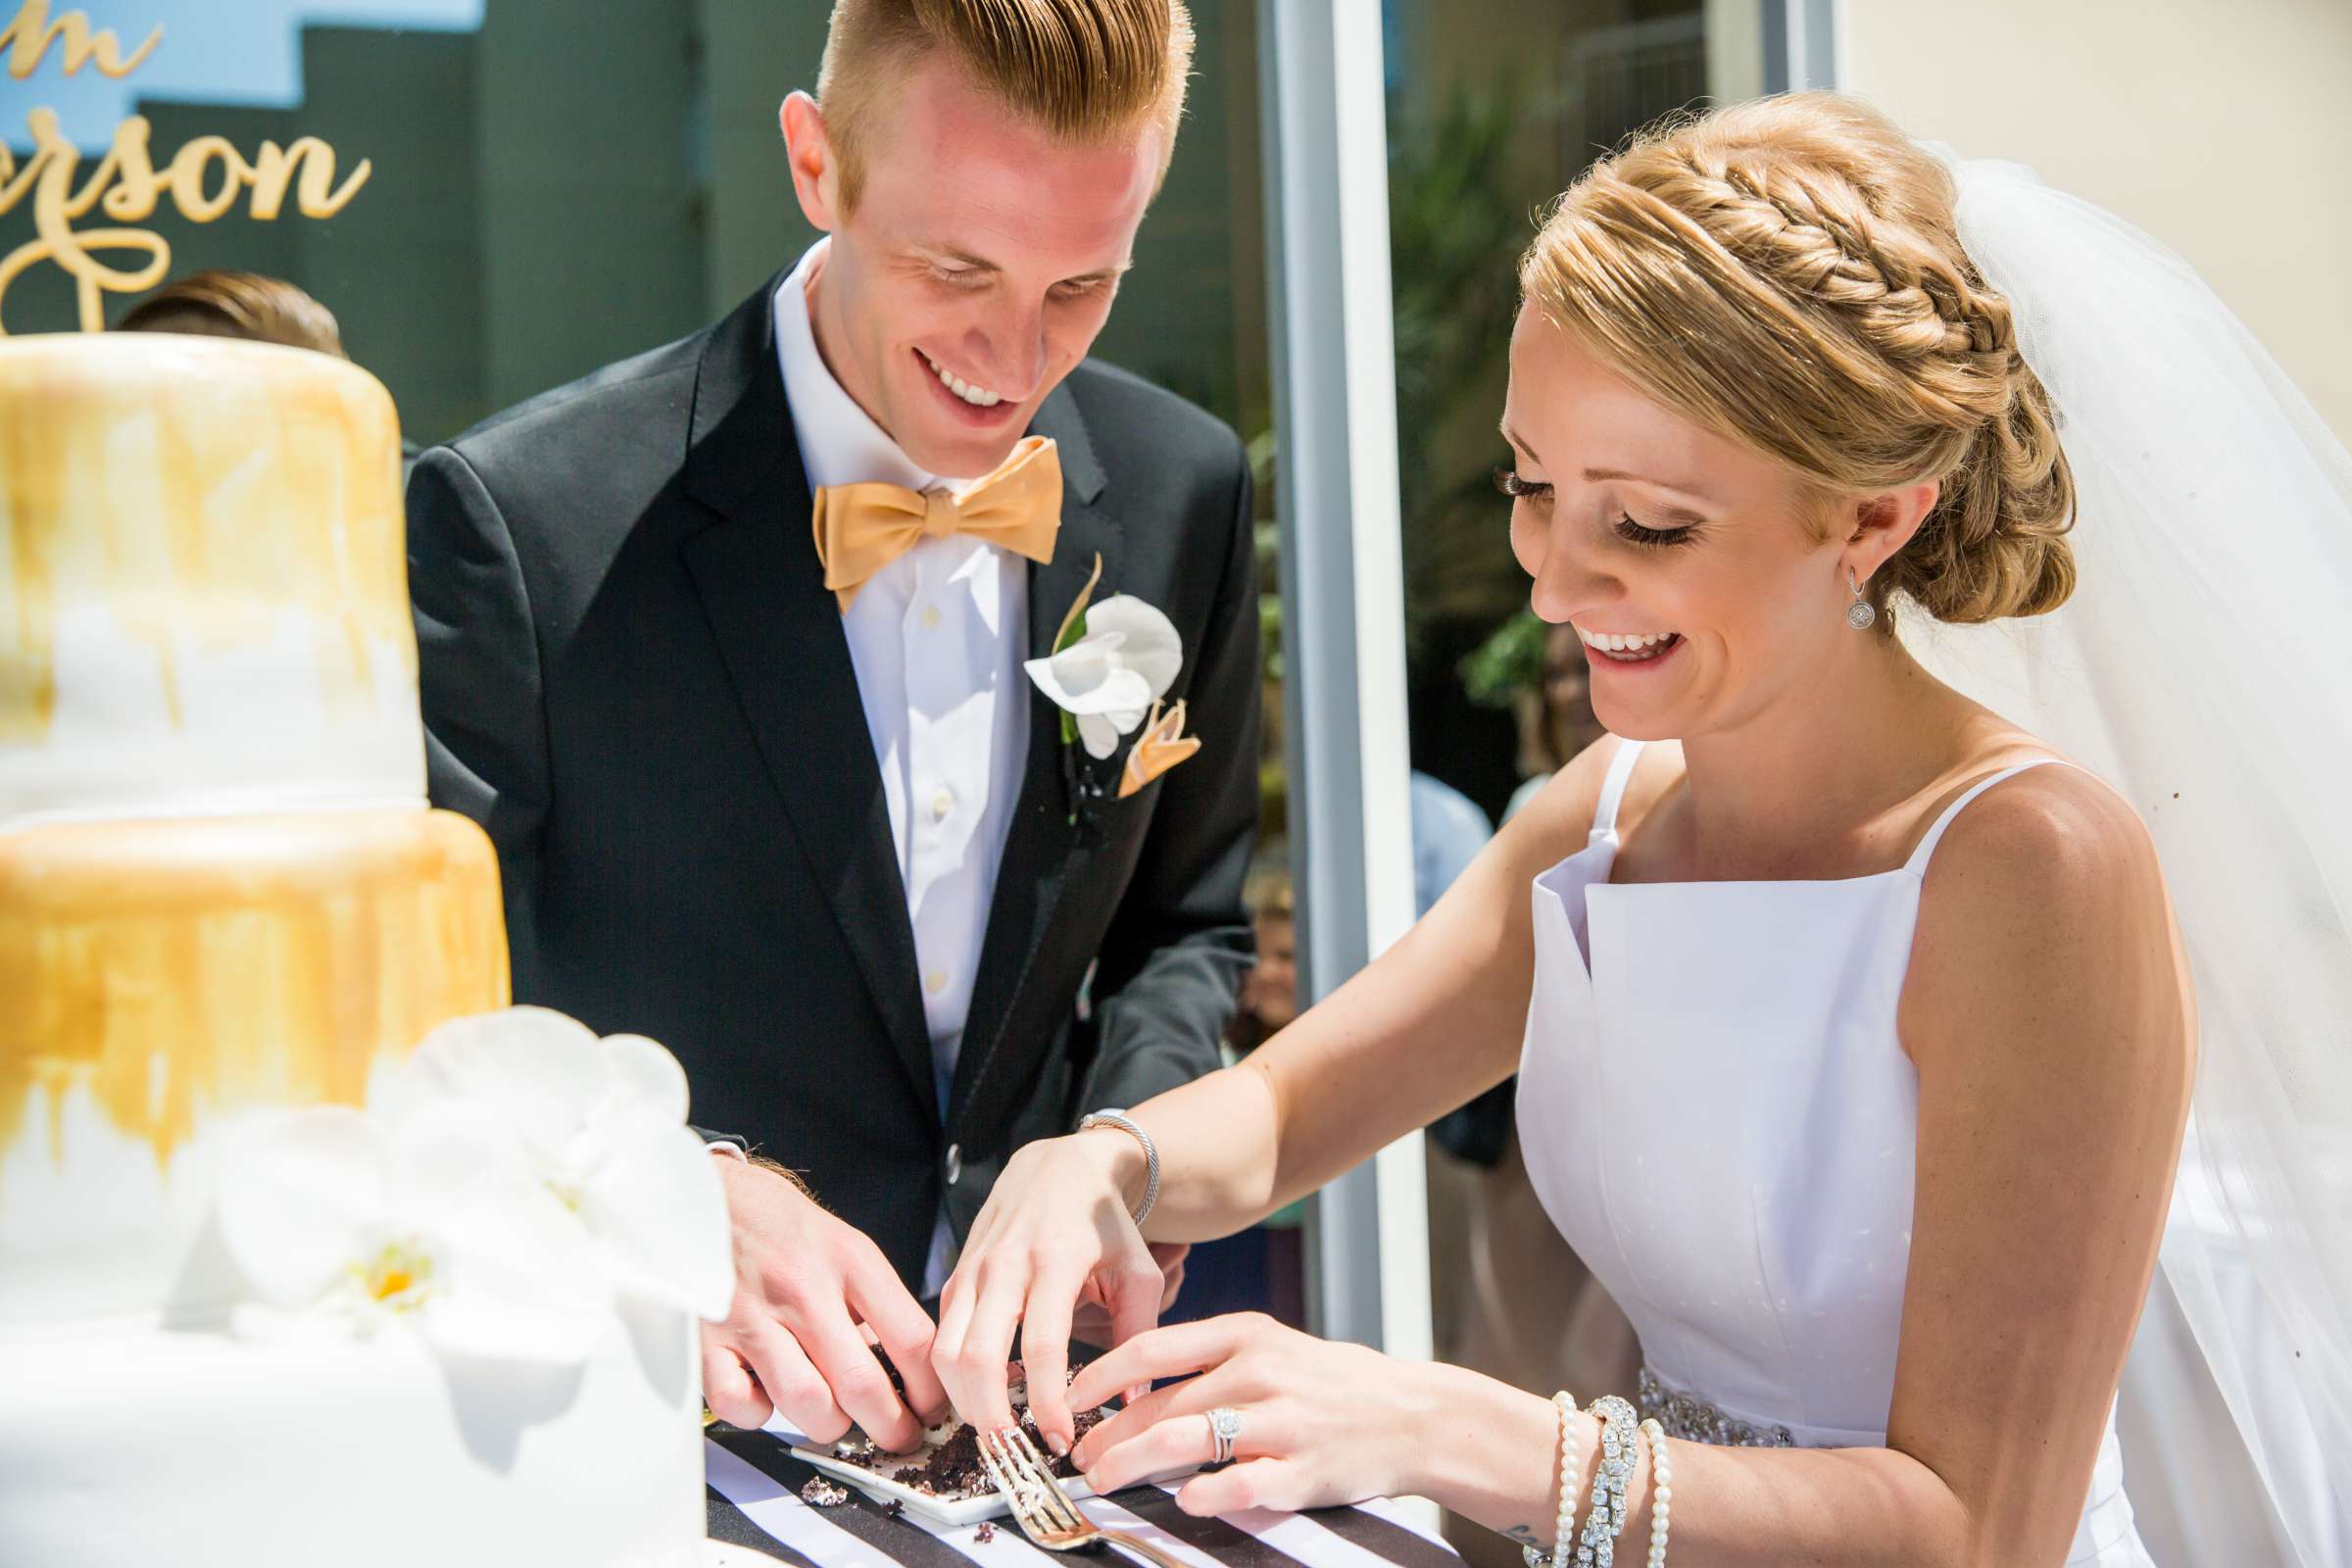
635, 679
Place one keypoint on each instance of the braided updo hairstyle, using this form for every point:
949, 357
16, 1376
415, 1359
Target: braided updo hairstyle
1785, 273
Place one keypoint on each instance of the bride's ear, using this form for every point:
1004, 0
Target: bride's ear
1878, 526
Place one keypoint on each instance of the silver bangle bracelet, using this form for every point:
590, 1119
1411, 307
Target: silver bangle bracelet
1118, 1119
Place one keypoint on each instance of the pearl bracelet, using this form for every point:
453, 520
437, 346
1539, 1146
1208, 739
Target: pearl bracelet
1597, 1547
1565, 1524
1661, 1492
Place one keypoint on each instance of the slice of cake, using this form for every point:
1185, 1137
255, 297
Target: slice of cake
947, 1465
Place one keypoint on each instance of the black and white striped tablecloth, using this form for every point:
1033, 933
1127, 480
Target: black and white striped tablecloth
755, 1485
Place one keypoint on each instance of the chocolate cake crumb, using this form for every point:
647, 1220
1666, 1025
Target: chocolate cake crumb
954, 1469
949, 1466
898, 1384
985, 1534
818, 1492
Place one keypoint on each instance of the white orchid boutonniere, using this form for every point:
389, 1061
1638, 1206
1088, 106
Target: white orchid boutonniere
1110, 667
498, 1192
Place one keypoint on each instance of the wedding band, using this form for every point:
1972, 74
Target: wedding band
1224, 1425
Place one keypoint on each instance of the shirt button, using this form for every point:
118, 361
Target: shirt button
936, 981
931, 617
954, 1163
942, 803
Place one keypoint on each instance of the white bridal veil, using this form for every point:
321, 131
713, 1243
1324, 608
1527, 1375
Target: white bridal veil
2204, 667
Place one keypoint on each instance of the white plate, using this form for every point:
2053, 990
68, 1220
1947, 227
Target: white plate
945, 1510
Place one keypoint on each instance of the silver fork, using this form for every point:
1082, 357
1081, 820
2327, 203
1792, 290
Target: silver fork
1043, 1510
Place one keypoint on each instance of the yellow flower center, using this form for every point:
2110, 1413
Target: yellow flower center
399, 1277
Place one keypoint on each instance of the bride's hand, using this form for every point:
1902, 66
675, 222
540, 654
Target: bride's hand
1054, 1234
1321, 1422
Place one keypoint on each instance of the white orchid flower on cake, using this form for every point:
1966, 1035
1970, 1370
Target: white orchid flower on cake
501, 1186
1123, 661
603, 1125
433, 1218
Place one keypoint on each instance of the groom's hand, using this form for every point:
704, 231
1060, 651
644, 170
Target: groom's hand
806, 1289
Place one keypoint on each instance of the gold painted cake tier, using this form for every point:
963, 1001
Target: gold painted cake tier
197, 491
178, 970
204, 600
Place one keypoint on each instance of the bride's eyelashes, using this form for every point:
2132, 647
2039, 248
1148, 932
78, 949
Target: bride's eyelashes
1511, 483
1633, 532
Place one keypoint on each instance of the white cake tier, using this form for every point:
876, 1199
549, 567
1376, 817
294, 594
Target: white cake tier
124, 1443
203, 581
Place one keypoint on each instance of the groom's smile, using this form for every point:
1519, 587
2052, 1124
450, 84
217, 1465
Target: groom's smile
981, 408
977, 396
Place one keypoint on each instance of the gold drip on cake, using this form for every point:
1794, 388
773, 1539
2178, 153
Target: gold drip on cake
174, 970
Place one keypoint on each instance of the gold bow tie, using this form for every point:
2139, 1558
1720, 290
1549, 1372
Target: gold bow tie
861, 528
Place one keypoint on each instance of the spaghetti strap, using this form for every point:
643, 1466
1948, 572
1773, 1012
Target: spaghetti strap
1917, 865
1612, 788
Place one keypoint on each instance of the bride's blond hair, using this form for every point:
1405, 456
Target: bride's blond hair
1785, 273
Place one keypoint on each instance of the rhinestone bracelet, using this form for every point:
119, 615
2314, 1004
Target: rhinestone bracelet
1565, 1524
1661, 1492
1597, 1547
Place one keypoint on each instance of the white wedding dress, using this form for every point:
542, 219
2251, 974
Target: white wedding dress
1717, 1114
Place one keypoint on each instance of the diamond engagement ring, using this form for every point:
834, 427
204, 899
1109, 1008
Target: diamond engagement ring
1224, 1425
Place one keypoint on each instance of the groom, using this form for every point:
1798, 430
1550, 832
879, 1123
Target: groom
724, 646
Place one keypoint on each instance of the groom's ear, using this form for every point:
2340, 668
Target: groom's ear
815, 172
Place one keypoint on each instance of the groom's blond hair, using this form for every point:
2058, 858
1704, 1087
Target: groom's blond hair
1087, 69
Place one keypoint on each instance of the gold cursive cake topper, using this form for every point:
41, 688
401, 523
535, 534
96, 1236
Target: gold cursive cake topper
205, 177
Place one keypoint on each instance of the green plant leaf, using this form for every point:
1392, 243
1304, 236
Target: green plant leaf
1509, 662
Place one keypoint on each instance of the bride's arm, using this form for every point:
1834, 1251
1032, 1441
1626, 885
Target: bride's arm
1435, 1022
1430, 1024
2045, 1009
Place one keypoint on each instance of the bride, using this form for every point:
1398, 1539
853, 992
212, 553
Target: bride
1855, 1029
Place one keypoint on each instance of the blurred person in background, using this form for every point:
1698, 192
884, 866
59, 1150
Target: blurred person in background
1448, 830
1262, 1270
219, 303
1557, 723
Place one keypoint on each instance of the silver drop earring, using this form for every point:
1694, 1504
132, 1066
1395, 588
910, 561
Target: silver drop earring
1861, 613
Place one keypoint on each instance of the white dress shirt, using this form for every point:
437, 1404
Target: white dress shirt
938, 638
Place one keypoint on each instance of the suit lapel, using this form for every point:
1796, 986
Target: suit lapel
1042, 849
779, 632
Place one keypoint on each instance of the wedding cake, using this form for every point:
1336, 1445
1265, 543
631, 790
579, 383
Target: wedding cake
307, 1251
